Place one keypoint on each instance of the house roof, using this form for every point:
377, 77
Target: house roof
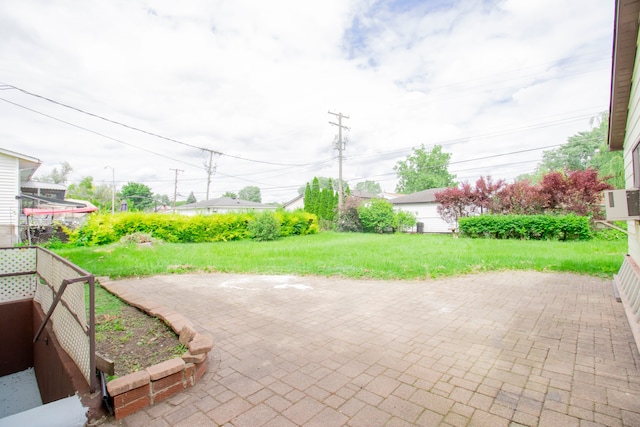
295, 199
363, 194
38, 185
625, 35
424, 196
223, 202
27, 164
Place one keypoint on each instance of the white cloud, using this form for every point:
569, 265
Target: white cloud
256, 79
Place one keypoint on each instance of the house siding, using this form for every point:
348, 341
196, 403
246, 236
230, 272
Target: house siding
9, 189
426, 213
632, 137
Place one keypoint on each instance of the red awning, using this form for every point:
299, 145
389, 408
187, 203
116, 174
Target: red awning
31, 211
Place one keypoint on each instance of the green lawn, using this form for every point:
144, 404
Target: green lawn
388, 256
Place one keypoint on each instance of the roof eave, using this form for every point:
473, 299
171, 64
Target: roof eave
625, 35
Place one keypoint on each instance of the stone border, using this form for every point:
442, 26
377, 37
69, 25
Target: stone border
156, 383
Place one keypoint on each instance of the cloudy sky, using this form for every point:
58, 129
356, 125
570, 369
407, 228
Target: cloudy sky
494, 81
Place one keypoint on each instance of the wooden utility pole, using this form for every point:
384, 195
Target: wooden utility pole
211, 168
340, 148
175, 187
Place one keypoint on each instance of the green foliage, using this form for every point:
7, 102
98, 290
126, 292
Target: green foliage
230, 195
191, 198
321, 202
102, 229
139, 196
57, 176
376, 215
587, 149
250, 193
264, 227
423, 170
404, 220
530, 227
297, 223
369, 186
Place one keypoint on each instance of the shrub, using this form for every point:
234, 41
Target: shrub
264, 227
349, 219
404, 220
102, 229
376, 215
536, 227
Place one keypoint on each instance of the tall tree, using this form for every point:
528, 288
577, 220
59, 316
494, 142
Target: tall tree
369, 186
191, 198
230, 195
486, 193
138, 196
83, 190
251, 194
587, 149
57, 176
423, 170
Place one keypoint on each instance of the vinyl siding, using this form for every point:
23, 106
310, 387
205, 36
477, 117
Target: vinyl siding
426, 213
632, 137
9, 189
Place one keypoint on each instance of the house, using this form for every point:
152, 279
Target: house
423, 204
294, 204
222, 205
624, 134
15, 169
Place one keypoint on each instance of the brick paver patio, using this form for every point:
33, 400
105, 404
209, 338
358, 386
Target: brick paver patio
496, 349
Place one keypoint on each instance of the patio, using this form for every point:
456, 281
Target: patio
495, 349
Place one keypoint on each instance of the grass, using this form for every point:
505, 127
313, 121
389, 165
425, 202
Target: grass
388, 256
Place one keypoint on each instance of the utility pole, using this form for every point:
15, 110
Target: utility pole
175, 188
340, 147
211, 167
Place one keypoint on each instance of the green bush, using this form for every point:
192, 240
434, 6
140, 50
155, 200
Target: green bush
102, 229
376, 216
534, 227
404, 220
264, 227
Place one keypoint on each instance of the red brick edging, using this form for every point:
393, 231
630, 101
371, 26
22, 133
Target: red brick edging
156, 383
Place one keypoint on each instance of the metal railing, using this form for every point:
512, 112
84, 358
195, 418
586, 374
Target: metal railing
59, 287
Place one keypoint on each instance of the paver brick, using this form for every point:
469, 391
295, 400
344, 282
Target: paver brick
513, 348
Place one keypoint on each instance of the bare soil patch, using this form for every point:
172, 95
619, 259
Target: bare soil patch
134, 340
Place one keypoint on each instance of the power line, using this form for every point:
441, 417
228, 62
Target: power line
97, 116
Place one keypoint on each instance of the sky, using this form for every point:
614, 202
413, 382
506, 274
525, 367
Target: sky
495, 82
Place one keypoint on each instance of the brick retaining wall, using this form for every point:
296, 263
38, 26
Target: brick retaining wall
138, 390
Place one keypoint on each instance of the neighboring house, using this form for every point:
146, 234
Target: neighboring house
44, 190
15, 169
222, 205
624, 134
363, 195
294, 204
424, 206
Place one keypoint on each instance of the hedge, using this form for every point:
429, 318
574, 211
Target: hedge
533, 227
102, 229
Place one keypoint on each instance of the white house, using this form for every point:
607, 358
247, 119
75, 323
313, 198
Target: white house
295, 203
222, 205
15, 169
423, 204
624, 134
